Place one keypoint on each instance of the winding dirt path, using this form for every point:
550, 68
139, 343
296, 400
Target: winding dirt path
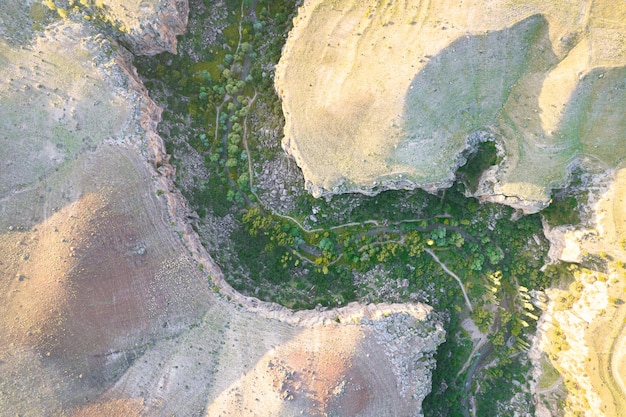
453, 275
478, 338
617, 358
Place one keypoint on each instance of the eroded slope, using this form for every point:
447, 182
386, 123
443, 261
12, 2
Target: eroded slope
582, 330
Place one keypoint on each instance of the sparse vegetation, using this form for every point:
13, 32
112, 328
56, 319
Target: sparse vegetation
558, 341
549, 374
222, 123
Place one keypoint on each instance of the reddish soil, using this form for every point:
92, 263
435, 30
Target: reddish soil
87, 289
126, 408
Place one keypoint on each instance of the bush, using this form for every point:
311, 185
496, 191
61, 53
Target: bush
482, 318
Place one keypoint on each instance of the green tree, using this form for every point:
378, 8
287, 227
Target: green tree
254, 221
456, 239
414, 244
482, 318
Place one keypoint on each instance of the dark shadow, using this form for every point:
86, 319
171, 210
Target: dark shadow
463, 90
595, 118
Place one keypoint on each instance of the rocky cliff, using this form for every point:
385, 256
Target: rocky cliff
150, 27
581, 333
383, 95
147, 27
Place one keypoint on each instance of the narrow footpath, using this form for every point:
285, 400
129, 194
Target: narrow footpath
453, 275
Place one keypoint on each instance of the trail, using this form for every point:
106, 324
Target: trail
453, 275
245, 145
480, 341
617, 353
555, 385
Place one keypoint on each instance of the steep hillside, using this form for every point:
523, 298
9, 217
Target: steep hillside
582, 330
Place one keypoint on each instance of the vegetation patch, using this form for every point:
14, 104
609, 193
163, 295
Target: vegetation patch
549, 375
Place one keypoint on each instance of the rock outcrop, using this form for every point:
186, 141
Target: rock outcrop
386, 96
146, 27
150, 26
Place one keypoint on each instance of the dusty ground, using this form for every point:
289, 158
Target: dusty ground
383, 95
107, 302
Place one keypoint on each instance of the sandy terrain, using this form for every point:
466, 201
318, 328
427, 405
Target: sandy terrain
384, 95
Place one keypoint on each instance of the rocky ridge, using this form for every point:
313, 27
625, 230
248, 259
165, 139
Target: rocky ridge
147, 27
150, 27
